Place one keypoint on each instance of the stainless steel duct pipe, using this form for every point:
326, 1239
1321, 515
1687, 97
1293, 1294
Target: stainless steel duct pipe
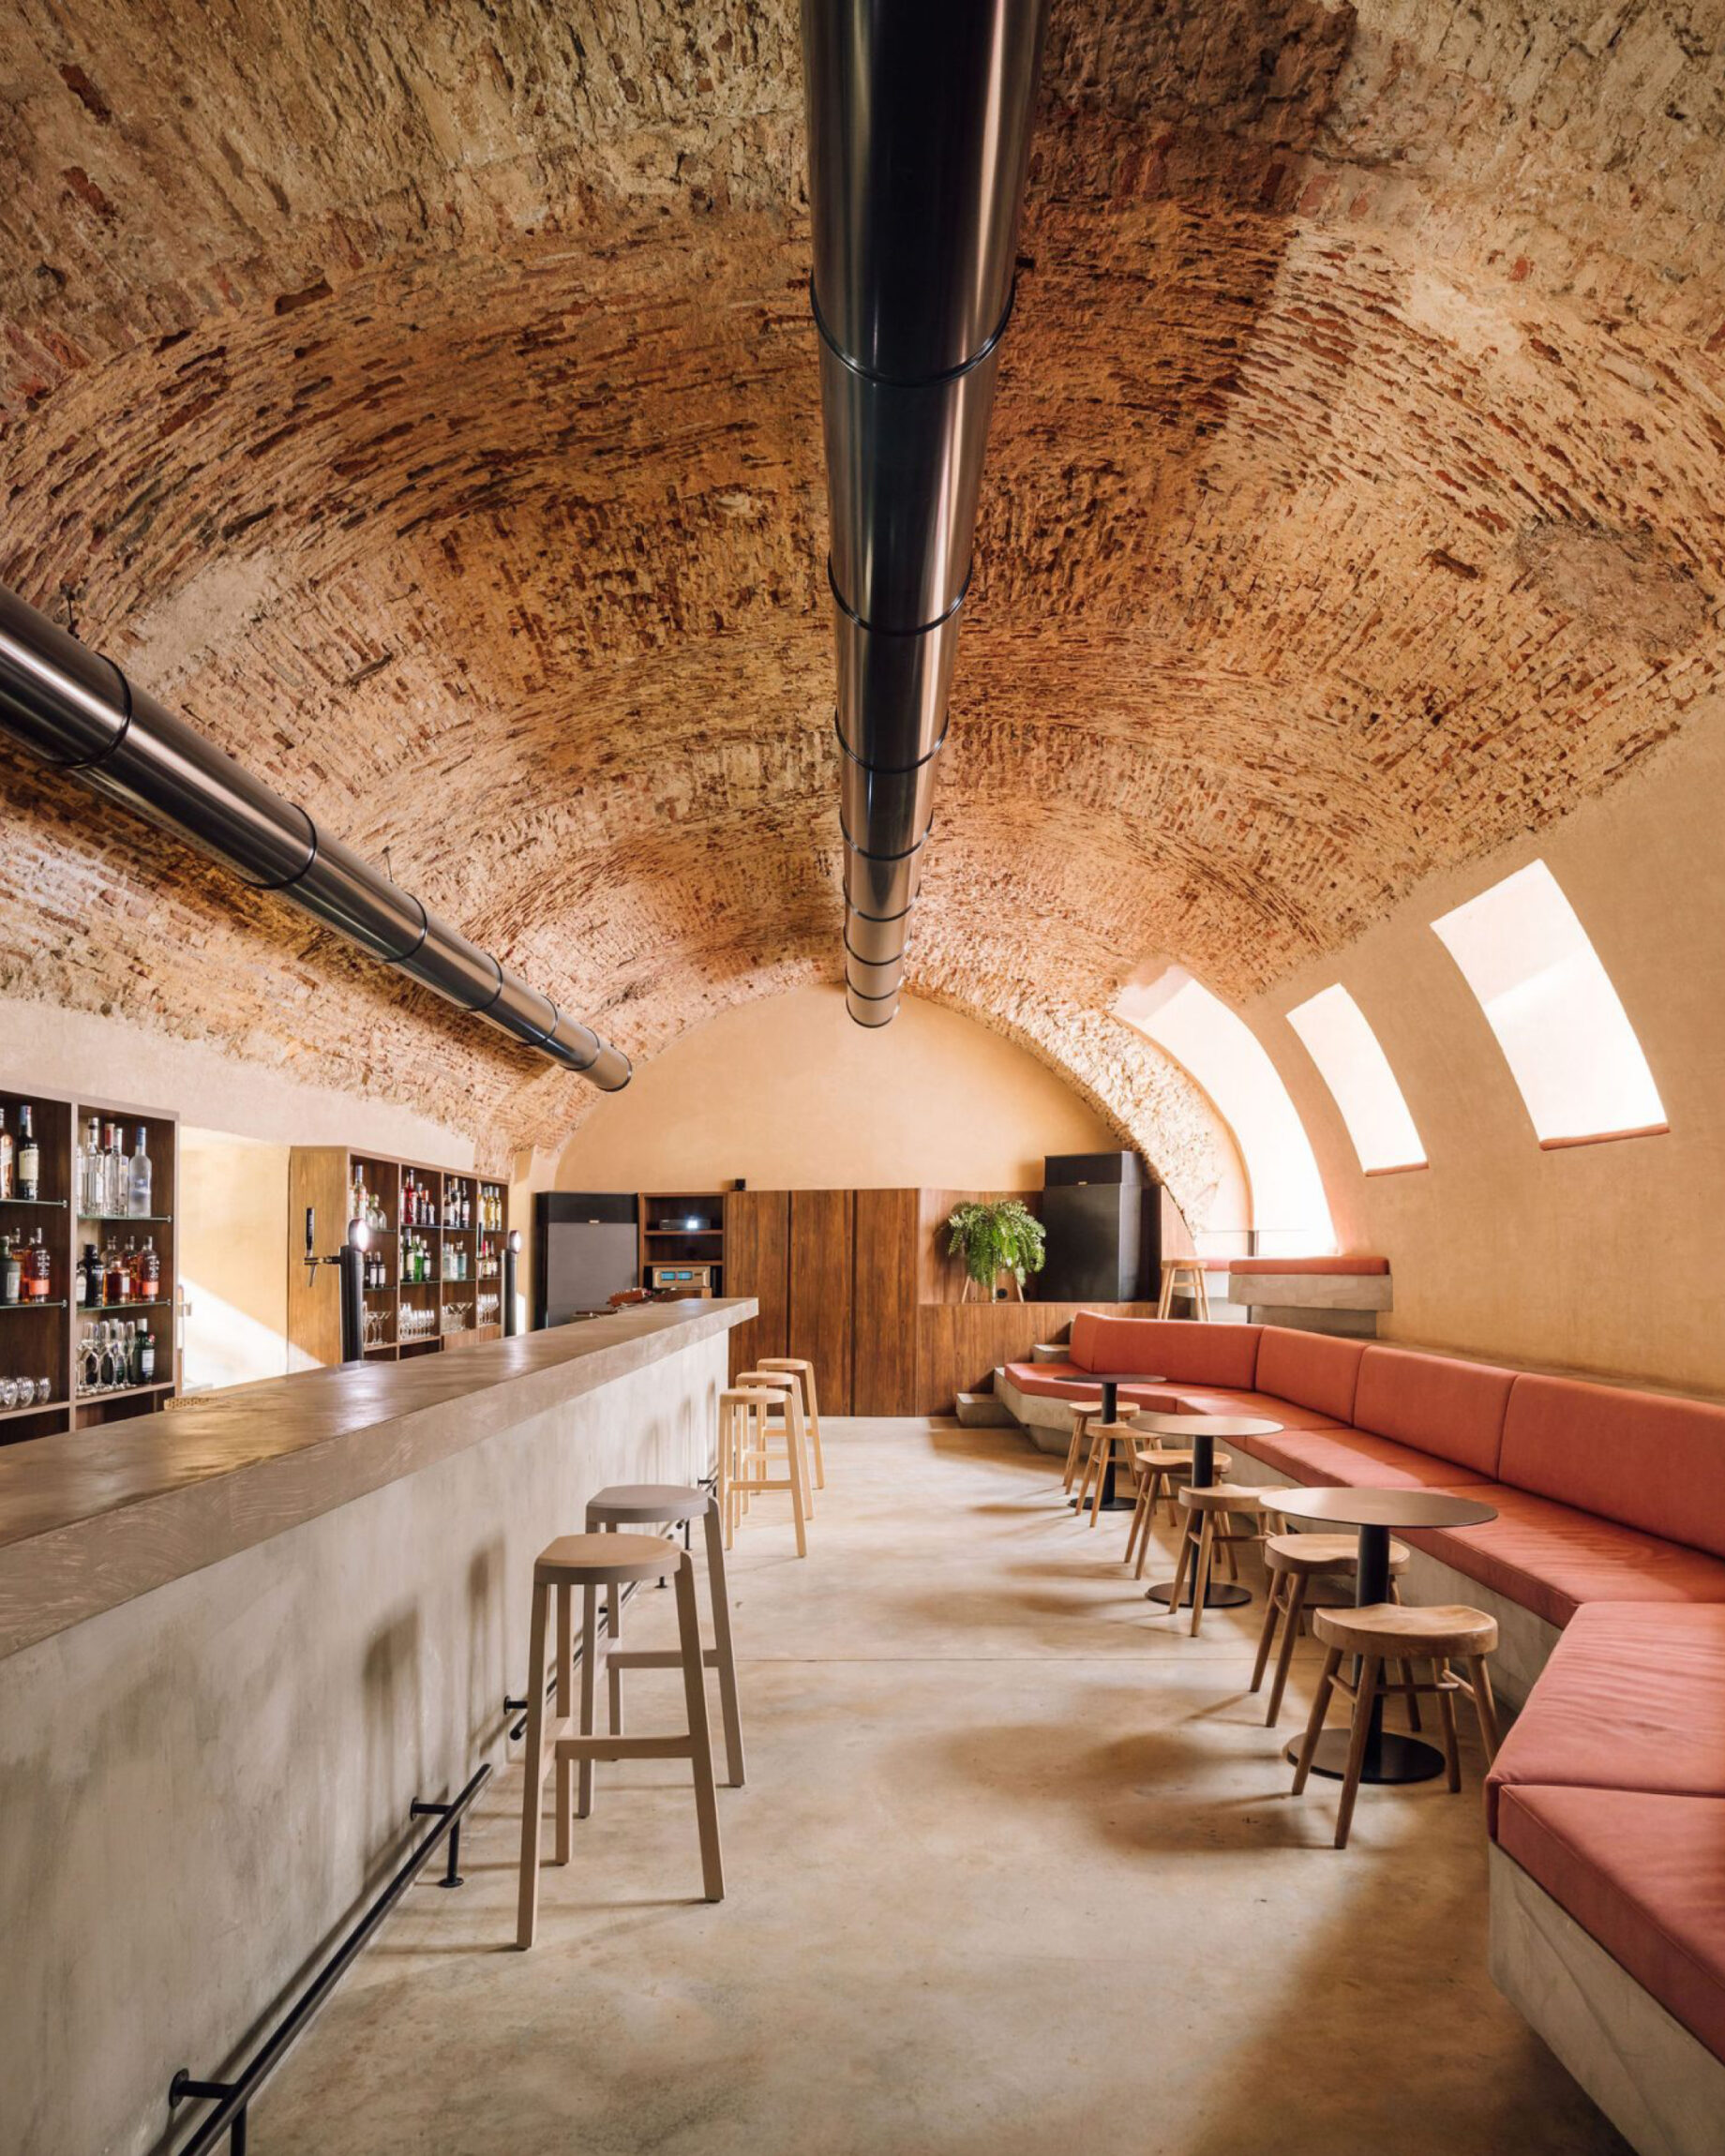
919, 126
76, 711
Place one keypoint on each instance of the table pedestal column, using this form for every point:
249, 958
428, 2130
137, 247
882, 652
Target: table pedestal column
1390, 1757
1217, 1595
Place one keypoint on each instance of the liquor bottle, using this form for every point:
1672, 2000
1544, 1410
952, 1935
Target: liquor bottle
138, 1180
5, 1158
149, 1270
113, 1204
81, 1284
38, 1270
12, 1271
90, 1181
146, 1356
29, 1157
116, 1281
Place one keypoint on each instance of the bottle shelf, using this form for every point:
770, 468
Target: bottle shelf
37, 1407
58, 1203
100, 1399
122, 1219
23, 1304
114, 1309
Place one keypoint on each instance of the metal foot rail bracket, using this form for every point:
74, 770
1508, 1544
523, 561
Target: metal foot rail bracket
231, 2098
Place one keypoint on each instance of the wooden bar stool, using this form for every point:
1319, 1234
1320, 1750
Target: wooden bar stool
1160, 1470
671, 1503
1387, 1632
791, 1427
1173, 1271
811, 1405
591, 1561
1108, 1440
1076, 1449
1292, 1561
1204, 1540
744, 1412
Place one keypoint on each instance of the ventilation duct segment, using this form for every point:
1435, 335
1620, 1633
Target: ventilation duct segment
918, 126
75, 709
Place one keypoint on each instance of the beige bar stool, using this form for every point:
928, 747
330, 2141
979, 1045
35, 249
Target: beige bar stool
1204, 1539
1292, 1562
744, 1412
1172, 1271
811, 1405
1387, 1632
792, 1426
671, 1503
1161, 1470
591, 1561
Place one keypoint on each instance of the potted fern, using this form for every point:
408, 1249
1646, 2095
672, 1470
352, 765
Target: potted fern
992, 1239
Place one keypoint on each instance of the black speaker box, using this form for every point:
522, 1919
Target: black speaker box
1103, 1230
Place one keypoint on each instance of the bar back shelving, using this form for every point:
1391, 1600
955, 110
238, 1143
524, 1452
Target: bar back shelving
45, 1340
440, 1227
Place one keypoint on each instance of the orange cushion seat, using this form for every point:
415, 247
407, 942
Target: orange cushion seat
1643, 1875
1355, 1460
1174, 1348
1062, 1381
1552, 1558
1632, 1697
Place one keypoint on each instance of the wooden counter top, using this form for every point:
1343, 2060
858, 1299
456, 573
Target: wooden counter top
93, 1518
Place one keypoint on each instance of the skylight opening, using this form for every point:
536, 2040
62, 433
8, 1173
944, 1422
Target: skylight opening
1564, 1031
1357, 1070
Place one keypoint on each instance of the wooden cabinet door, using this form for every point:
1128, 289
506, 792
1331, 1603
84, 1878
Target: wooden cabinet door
757, 1264
822, 1274
883, 1353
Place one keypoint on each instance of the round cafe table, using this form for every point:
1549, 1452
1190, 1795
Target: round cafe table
1109, 1383
1390, 1756
1204, 1429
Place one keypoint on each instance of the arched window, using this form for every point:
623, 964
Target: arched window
1357, 1070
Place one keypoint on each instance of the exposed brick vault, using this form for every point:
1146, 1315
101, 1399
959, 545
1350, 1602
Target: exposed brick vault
424, 401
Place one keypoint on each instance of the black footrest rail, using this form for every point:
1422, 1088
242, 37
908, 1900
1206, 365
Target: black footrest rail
231, 2098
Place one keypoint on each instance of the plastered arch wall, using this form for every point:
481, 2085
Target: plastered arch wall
789, 1093
1607, 1258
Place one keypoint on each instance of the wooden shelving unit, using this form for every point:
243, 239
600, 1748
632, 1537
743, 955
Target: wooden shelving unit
667, 1237
45, 1339
415, 1317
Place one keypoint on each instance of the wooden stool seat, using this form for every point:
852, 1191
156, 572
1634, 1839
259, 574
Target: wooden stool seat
1158, 1469
1175, 1270
1207, 1534
1292, 1562
804, 1371
591, 1561
1391, 1628
745, 1429
1384, 1632
633, 1502
573, 1560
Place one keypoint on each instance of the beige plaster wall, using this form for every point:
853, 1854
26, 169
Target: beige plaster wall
1603, 1258
790, 1093
233, 1258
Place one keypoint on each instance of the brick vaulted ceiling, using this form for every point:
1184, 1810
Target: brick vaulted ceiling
423, 400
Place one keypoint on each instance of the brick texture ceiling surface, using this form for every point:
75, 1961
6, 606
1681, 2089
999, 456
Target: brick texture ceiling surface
423, 400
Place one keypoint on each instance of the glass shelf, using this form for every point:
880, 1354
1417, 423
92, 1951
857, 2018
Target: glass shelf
121, 1392
113, 1310
58, 1203
122, 1220
22, 1304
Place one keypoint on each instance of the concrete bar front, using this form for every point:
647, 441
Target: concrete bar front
236, 1641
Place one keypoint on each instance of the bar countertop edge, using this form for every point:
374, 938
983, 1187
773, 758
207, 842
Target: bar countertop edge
95, 1517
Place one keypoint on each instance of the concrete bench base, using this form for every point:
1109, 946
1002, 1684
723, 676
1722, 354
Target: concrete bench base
982, 1411
1661, 2088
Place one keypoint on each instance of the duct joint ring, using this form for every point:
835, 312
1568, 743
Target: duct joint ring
889, 771
914, 381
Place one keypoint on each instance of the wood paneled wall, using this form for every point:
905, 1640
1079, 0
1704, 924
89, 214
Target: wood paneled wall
960, 1344
883, 1366
757, 1264
822, 1282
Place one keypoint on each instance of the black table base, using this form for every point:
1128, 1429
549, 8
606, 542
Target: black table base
1112, 1501
1218, 1595
1389, 1757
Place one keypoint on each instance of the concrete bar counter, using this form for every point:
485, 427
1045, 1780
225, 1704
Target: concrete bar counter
238, 1640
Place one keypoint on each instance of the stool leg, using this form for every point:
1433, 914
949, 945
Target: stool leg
723, 1649
565, 1663
1406, 1669
799, 1501
1204, 1295
1485, 1706
796, 1432
1072, 1446
1371, 1665
1284, 1661
1153, 1481
1201, 1572
533, 1772
590, 1655
1445, 1715
613, 1638
701, 1740
813, 1405
1140, 1524
1272, 1606
1314, 1721
1181, 1564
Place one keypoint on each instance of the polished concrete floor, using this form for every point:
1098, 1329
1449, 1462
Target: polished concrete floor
1016, 1873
